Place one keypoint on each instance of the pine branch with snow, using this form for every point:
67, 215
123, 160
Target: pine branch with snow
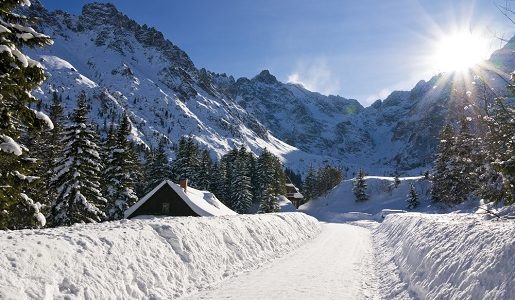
122, 172
76, 179
19, 76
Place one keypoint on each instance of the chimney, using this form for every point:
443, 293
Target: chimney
183, 182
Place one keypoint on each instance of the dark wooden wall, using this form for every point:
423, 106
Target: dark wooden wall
154, 205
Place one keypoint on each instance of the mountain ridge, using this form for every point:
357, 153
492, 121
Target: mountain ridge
126, 66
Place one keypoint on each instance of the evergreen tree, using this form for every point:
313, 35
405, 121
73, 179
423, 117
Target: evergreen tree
455, 177
77, 175
279, 183
269, 202
271, 181
254, 179
52, 138
498, 152
157, 167
442, 172
19, 76
123, 172
187, 163
327, 178
464, 164
218, 182
265, 173
45, 148
360, 187
310, 184
108, 145
240, 185
227, 168
205, 171
412, 197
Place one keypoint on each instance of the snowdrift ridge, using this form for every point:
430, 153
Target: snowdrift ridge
158, 258
449, 256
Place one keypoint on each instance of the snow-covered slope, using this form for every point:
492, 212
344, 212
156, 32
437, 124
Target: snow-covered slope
123, 65
159, 258
452, 256
340, 203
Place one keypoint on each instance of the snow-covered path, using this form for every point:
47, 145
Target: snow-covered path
335, 265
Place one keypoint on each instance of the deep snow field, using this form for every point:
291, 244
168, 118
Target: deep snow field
356, 252
339, 204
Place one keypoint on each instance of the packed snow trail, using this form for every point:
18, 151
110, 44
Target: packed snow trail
335, 265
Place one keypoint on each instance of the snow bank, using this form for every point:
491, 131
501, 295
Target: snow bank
285, 204
451, 256
160, 258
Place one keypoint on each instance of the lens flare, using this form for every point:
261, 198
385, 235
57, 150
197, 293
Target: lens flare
460, 51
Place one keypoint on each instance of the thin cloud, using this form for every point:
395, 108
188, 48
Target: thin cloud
315, 76
382, 94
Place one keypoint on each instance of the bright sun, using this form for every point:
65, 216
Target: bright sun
460, 51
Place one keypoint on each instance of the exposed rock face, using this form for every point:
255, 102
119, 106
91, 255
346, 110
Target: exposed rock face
126, 66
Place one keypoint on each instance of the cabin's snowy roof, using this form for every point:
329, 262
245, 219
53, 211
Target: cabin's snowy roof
298, 196
293, 191
204, 203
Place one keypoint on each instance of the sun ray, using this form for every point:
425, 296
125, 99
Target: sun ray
460, 51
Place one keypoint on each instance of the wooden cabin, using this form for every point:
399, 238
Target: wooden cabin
293, 194
170, 199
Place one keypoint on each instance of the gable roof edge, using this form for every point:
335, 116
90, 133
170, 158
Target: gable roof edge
142, 201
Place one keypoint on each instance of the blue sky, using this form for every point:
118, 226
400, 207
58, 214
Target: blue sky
359, 49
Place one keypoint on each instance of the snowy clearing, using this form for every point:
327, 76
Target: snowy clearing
340, 205
159, 258
451, 256
335, 265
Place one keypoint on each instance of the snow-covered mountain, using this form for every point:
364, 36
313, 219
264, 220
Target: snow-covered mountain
122, 65
125, 66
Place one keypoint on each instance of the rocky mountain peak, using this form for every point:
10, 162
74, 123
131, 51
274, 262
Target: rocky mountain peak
99, 13
107, 19
265, 77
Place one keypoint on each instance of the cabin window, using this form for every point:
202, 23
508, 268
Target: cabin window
165, 209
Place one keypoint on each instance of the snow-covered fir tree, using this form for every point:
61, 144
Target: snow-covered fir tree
465, 163
327, 177
360, 187
269, 203
412, 200
271, 181
240, 183
226, 172
205, 171
497, 173
19, 76
52, 138
76, 179
442, 170
310, 184
122, 172
217, 182
157, 166
458, 158
187, 163
45, 146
